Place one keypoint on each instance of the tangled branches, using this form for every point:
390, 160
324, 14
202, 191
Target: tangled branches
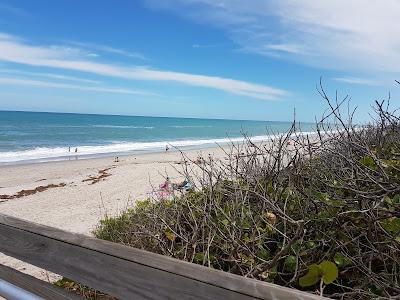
269, 211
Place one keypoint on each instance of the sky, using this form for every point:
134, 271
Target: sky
256, 60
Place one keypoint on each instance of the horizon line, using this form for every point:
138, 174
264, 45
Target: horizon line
148, 116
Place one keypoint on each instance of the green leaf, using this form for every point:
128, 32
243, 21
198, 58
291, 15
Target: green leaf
169, 234
326, 270
342, 260
392, 225
329, 271
290, 263
269, 275
264, 254
369, 162
324, 197
312, 277
199, 257
225, 222
310, 245
392, 201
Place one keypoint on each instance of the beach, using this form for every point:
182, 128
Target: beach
59, 169
73, 195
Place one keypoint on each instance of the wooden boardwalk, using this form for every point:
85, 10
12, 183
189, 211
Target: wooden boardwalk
120, 271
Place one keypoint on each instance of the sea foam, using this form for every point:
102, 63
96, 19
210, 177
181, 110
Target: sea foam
57, 153
62, 153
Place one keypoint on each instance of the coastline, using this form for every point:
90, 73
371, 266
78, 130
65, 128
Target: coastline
125, 149
44, 155
80, 157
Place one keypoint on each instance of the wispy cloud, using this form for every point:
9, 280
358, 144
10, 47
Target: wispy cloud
340, 34
57, 85
49, 75
360, 81
112, 50
204, 46
16, 51
288, 48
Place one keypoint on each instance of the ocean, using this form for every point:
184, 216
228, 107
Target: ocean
40, 136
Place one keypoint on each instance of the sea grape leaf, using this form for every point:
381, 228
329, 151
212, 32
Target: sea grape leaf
269, 275
392, 225
326, 270
329, 271
342, 260
312, 277
170, 235
199, 257
225, 222
264, 254
392, 201
290, 263
310, 245
369, 162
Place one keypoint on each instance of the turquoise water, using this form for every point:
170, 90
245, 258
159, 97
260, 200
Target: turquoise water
36, 136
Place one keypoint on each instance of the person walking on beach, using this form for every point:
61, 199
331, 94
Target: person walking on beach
76, 150
166, 148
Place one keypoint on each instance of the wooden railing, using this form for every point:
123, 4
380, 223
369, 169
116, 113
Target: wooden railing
120, 271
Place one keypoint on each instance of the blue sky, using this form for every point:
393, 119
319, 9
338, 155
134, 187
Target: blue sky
232, 59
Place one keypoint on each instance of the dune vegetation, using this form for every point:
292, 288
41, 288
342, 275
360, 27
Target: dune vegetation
318, 213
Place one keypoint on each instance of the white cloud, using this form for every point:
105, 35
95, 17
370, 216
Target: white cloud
337, 34
48, 75
57, 85
204, 46
15, 51
104, 48
360, 81
289, 48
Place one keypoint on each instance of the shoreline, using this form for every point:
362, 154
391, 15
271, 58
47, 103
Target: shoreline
79, 157
174, 146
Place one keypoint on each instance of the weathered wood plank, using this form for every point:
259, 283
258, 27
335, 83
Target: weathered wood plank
35, 286
126, 272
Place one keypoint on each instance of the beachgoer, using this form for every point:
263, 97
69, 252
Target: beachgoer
165, 185
69, 149
166, 148
76, 150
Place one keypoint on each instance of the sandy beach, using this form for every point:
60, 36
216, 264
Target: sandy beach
74, 195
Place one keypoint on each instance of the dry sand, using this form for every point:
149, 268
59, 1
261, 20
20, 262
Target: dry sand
74, 195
